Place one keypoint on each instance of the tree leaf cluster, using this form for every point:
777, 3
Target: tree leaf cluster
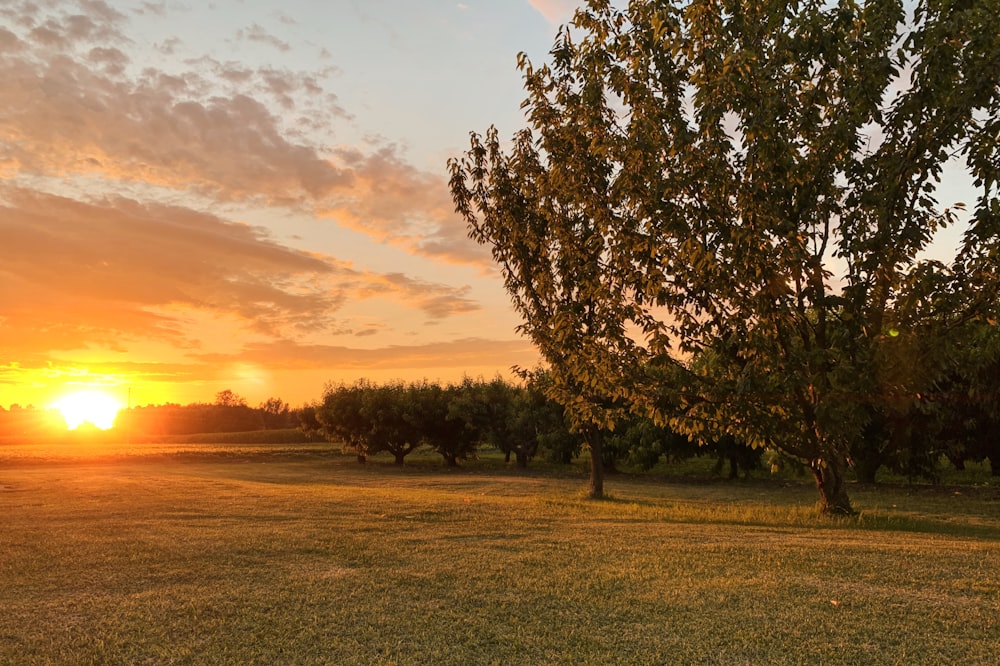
719, 214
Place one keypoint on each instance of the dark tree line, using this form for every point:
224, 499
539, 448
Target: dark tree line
229, 413
28, 420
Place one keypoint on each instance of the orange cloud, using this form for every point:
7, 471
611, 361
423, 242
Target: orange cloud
79, 274
463, 353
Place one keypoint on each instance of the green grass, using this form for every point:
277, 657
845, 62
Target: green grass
241, 554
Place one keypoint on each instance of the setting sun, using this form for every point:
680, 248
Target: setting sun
92, 407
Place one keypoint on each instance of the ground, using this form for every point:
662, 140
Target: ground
297, 554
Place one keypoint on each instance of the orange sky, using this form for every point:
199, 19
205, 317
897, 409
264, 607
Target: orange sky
250, 198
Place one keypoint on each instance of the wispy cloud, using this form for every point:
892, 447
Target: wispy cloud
467, 352
256, 33
555, 11
76, 104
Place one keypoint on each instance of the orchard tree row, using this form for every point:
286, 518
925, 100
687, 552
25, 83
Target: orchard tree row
523, 422
453, 419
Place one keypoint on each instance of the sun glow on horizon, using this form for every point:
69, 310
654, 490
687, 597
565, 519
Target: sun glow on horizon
90, 406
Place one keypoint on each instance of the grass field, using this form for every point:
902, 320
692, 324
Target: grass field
284, 554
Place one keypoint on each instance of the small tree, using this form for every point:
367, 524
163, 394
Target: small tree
343, 417
440, 422
501, 415
274, 412
394, 427
228, 398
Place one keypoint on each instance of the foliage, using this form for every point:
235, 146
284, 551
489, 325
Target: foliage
497, 412
228, 398
518, 420
26, 422
174, 419
442, 427
341, 417
453, 419
718, 215
275, 412
371, 419
396, 418
962, 411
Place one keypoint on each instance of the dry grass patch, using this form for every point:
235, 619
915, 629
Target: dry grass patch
202, 559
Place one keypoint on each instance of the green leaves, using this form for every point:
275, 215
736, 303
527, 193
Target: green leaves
752, 179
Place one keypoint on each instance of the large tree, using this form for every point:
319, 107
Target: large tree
719, 208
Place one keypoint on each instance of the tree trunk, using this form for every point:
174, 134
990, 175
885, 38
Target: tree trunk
451, 460
832, 486
399, 457
866, 466
506, 456
593, 438
522, 459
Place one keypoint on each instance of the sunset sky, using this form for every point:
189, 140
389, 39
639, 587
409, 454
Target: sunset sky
252, 195
249, 195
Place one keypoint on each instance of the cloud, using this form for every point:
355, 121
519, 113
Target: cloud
9, 42
256, 33
60, 371
555, 11
462, 353
66, 118
107, 273
155, 8
79, 274
436, 300
74, 104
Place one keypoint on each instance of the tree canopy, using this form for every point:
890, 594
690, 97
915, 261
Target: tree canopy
720, 213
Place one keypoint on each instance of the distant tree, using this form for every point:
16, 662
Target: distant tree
961, 412
740, 456
495, 415
227, 398
694, 175
440, 422
557, 442
343, 418
275, 413
308, 421
642, 442
394, 426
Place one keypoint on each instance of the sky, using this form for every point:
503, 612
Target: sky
250, 195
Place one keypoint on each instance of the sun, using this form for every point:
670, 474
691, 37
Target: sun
93, 407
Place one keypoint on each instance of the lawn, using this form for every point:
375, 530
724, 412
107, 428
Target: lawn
192, 554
